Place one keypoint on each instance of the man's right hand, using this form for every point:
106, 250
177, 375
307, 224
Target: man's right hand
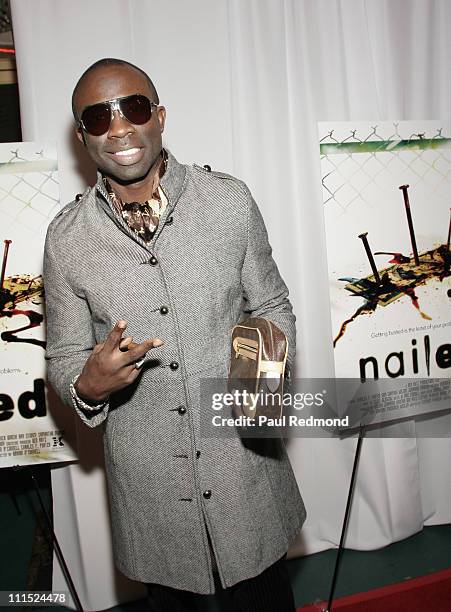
111, 365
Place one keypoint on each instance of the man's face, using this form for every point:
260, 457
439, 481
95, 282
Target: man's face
141, 143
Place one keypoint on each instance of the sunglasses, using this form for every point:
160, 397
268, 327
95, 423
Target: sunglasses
96, 119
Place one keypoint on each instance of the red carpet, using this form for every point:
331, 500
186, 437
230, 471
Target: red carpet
431, 593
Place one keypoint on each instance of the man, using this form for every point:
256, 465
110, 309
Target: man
177, 255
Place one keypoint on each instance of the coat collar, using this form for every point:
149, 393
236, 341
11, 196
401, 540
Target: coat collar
172, 183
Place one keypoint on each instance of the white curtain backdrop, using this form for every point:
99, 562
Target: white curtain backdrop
244, 83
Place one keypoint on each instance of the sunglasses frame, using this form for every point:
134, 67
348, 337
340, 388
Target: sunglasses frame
115, 105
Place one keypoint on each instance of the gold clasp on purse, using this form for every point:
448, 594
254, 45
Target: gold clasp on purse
246, 347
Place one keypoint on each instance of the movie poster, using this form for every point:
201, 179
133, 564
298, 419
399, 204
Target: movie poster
29, 199
387, 198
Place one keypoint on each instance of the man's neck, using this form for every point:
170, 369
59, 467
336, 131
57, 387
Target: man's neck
142, 190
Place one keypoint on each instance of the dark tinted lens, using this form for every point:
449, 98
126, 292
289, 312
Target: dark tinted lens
136, 109
96, 119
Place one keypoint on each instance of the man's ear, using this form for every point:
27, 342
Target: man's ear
161, 116
81, 135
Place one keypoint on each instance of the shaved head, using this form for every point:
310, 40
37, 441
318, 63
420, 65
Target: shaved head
127, 152
105, 63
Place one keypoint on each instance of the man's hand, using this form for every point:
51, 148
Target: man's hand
111, 365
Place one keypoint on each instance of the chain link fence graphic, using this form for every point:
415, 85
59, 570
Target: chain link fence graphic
355, 162
29, 191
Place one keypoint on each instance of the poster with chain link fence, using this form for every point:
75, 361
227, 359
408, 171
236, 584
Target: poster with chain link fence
32, 424
387, 197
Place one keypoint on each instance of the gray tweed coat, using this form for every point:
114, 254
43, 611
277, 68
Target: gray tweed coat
210, 264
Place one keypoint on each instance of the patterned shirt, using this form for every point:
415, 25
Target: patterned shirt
143, 217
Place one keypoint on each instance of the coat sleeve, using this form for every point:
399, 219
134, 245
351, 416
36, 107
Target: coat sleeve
70, 336
264, 291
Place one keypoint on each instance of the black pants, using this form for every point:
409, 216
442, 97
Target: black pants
270, 591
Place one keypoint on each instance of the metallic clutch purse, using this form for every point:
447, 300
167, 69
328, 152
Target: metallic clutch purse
257, 368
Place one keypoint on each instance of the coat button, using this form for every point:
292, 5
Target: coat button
207, 168
153, 260
170, 221
197, 454
207, 494
181, 409
164, 310
174, 365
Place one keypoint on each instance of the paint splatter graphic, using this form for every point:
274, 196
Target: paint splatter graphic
397, 281
16, 289
402, 278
